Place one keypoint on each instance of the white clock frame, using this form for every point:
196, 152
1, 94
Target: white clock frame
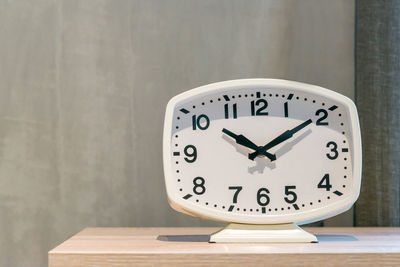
179, 204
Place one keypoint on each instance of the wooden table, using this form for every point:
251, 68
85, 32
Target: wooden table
189, 246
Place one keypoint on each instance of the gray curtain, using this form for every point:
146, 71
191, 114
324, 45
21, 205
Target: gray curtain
378, 100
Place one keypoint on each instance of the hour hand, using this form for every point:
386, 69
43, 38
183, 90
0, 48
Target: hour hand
244, 141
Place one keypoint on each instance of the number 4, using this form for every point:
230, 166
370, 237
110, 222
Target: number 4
324, 183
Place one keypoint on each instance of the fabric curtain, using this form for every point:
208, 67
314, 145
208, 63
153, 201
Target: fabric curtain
378, 100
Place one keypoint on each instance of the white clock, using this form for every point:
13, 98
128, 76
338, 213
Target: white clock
262, 154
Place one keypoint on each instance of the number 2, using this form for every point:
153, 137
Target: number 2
324, 116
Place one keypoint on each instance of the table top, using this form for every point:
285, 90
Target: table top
351, 245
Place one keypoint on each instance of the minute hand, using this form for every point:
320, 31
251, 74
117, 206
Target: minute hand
279, 139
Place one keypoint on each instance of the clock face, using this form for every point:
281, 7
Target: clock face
262, 151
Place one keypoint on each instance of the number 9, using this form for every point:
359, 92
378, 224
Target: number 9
191, 155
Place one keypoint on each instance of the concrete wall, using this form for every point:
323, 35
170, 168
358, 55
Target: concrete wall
84, 84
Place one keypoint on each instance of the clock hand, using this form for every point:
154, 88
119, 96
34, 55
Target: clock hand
279, 139
242, 140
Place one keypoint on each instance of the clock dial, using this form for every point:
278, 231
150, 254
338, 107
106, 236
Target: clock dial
261, 154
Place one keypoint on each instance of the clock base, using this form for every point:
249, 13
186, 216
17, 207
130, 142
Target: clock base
268, 233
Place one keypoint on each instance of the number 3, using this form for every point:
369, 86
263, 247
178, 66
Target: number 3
334, 150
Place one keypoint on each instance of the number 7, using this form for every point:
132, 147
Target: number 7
238, 189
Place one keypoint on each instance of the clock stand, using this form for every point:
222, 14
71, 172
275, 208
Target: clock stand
263, 233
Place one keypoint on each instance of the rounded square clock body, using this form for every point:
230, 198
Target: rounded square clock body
262, 151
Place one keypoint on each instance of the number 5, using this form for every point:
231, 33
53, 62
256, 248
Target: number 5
290, 193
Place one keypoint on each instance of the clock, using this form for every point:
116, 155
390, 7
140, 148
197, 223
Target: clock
264, 155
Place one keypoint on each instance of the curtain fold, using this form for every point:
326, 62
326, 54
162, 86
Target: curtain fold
378, 100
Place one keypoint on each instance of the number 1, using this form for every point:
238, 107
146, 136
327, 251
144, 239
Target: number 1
286, 109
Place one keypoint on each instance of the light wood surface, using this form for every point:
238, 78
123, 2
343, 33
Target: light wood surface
189, 246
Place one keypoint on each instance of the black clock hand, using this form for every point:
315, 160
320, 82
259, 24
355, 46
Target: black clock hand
242, 140
281, 138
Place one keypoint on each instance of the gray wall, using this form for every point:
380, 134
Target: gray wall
84, 84
378, 99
